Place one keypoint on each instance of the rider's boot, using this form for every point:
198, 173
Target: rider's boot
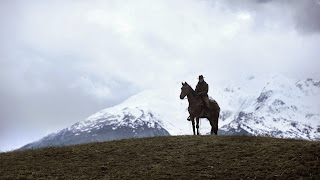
188, 118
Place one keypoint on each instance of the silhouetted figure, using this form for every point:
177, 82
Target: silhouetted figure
196, 107
202, 91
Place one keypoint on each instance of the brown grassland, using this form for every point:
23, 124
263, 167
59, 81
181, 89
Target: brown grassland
170, 157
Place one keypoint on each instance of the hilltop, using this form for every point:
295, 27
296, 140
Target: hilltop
169, 157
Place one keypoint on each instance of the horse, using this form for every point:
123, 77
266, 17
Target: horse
196, 109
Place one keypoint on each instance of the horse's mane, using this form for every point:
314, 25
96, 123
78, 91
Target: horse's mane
193, 92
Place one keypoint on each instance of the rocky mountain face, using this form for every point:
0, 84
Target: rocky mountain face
273, 105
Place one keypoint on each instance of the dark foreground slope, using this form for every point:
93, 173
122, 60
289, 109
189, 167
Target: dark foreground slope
171, 157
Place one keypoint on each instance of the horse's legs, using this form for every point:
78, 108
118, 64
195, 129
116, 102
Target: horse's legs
197, 119
214, 126
193, 126
214, 123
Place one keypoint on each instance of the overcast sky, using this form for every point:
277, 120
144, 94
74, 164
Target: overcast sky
63, 60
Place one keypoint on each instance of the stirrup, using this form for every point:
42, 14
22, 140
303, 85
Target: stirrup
188, 118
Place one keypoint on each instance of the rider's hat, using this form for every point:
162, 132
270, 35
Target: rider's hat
201, 77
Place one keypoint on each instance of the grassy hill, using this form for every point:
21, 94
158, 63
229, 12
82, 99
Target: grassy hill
171, 157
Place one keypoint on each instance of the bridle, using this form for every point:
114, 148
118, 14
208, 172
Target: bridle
186, 96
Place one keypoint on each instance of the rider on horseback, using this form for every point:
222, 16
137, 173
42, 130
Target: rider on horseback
202, 91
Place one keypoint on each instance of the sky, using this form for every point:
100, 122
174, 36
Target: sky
63, 60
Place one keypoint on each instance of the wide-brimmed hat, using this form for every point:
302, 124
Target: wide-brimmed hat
201, 77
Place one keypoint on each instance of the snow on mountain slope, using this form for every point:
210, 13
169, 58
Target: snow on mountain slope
273, 104
265, 104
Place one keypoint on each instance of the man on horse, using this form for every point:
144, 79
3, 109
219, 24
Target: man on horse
202, 91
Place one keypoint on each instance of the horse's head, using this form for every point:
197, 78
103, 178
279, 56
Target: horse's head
184, 90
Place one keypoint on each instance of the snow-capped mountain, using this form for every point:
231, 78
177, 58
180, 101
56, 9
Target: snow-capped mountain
266, 104
281, 107
106, 126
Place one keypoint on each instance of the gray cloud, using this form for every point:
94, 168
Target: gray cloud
61, 61
302, 15
307, 16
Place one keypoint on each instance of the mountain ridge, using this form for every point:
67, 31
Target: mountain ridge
268, 104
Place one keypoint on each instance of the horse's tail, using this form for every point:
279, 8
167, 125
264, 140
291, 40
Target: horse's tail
216, 114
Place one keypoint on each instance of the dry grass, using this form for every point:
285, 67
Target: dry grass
171, 157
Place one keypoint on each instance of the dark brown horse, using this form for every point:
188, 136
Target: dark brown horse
196, 109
